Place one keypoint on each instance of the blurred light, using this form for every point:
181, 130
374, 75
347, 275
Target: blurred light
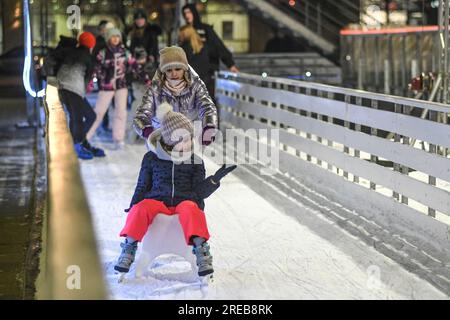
95, 79
27, 47
292, 3
17, 12
308, 74
154, 15
203, 1
435, 3
264, 74
348, 57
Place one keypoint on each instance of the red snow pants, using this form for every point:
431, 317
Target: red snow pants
141, 215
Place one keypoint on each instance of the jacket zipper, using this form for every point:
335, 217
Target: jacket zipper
173, 182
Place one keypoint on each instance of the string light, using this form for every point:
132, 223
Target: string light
28, 59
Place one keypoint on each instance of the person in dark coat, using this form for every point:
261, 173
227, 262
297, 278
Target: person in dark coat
171, 181
55, 58
196, 51
143, 34
73, 76
216, 49
100, 39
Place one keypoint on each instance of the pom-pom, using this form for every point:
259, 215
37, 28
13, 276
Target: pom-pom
163, 109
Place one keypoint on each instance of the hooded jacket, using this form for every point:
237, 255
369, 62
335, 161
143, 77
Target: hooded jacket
164, 180
145, 37
198, 61
75, 70
194, 102
216, 49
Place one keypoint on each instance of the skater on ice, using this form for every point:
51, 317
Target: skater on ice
171, 181
176, 83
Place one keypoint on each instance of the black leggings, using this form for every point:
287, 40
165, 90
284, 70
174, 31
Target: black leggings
80, 112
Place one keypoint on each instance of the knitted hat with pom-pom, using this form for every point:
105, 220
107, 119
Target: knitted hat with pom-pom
174, 125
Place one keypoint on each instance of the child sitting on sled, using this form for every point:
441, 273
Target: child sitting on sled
169, 186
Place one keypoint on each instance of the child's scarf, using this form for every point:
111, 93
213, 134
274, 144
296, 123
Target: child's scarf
176, 86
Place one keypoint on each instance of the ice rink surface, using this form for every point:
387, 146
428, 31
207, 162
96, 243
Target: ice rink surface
259, 252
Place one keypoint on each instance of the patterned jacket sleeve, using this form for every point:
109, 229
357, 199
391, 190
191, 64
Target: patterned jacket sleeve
144, 112
206, 108
144, 182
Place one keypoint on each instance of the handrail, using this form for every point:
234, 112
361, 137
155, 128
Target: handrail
358, 152
435, 106
72, 265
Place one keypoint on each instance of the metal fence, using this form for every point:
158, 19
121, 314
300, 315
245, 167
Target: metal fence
368, 150
386, 60
308, 66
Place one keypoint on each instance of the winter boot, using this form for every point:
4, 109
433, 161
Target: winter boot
82, 152
127, 256
204, 258
96, 152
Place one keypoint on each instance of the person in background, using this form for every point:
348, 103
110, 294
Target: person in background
143, 34
177, 84
141, 81
100, 39
112, 65
196, 51
73, 77
217, 51
102, 28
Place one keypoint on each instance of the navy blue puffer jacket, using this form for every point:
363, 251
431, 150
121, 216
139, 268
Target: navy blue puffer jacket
162, 179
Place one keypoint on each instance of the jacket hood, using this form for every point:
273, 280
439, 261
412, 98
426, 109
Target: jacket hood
192, 77
197, 20
67, 42
154, 145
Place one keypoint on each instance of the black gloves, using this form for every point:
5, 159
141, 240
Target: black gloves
222, 172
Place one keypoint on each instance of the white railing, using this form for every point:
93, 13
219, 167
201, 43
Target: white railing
354, 146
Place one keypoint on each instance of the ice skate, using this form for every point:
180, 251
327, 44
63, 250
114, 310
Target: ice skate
204, 258
126, 259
